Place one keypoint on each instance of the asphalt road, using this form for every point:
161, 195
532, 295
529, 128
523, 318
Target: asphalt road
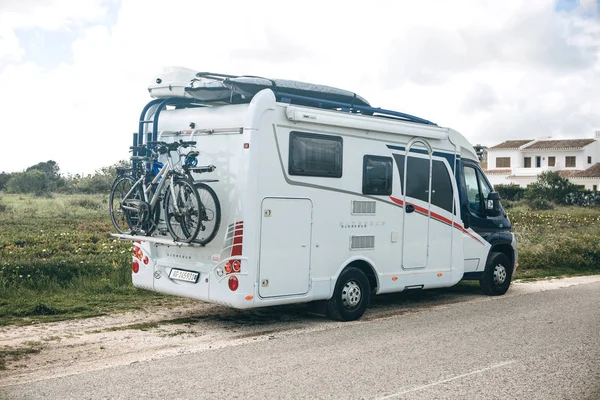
543, 345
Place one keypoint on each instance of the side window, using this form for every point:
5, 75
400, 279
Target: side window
377, 175
472, 186
485, 188
442, 194
315, 155
418, 184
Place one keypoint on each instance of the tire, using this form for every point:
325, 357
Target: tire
127, 221
351, 296
497, 275
182, 214
211, 214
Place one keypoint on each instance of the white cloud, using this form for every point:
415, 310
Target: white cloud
492, 70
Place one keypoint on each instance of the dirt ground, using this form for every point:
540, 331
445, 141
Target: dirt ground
75, 346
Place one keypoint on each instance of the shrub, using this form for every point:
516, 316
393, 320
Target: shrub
551, 186
88, 204
33, 181
511, 192
583, 198
540, 204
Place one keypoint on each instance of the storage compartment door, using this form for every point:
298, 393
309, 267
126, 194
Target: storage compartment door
285, 247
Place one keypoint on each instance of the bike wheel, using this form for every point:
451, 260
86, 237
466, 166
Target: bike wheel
131, 214
182, 213
210, 217
120, 217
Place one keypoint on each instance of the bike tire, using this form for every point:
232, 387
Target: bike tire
182, 214
127, 222
211, 214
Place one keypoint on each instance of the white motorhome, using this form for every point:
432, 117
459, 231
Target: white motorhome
324, 199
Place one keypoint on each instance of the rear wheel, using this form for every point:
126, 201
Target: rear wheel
183, 212
210, 217
497, 275
131, 213
351, 296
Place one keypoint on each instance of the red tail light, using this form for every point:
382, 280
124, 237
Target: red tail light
236, 265
233, 283
238, 233
135, 266
146, 260
138, 253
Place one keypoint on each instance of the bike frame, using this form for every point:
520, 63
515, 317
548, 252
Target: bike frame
163, 173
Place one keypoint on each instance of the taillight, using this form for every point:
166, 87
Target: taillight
232, 266
146, 260
138, 253
135, 266
233, 283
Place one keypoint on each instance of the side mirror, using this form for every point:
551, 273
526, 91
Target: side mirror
492, 205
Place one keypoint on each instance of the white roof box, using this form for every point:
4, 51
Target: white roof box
171, 82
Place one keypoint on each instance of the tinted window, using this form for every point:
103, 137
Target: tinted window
417, 181
315, 155
472, 187
442, 194
377, 175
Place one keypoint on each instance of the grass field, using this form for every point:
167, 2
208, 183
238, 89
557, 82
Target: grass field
58, 260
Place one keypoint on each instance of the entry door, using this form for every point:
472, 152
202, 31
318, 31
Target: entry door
285, 247
417, 200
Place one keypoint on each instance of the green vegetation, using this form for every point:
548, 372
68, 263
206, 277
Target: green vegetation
562, 241
58, 260
45, 177
549, 190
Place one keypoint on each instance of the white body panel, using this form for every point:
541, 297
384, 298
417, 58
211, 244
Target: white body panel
297, 232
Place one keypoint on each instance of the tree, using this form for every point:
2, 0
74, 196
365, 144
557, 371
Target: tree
551, 186
4, 177
33, 181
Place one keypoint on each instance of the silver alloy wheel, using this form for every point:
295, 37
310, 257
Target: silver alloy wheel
499, 274
351, 295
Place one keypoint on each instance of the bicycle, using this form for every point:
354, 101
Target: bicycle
137, 192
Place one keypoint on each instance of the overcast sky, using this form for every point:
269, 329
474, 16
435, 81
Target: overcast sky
74, 73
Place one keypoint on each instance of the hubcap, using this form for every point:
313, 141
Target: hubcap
499, 274
351, 295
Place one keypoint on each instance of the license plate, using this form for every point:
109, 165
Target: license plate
181, 275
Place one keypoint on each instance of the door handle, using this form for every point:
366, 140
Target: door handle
409, 208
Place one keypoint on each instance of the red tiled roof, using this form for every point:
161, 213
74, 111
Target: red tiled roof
560, 144
511, 144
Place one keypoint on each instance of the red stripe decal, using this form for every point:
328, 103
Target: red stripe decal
437, 217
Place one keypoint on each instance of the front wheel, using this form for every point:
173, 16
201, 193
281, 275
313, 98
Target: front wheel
183, 211
351, 296
497, 275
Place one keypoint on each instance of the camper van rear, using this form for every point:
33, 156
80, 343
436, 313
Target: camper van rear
324, 202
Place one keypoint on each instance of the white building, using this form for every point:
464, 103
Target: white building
520, 161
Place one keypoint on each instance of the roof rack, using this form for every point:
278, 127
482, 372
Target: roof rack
151, 112
347, 107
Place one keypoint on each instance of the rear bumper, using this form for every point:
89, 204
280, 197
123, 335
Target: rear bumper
209, 287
